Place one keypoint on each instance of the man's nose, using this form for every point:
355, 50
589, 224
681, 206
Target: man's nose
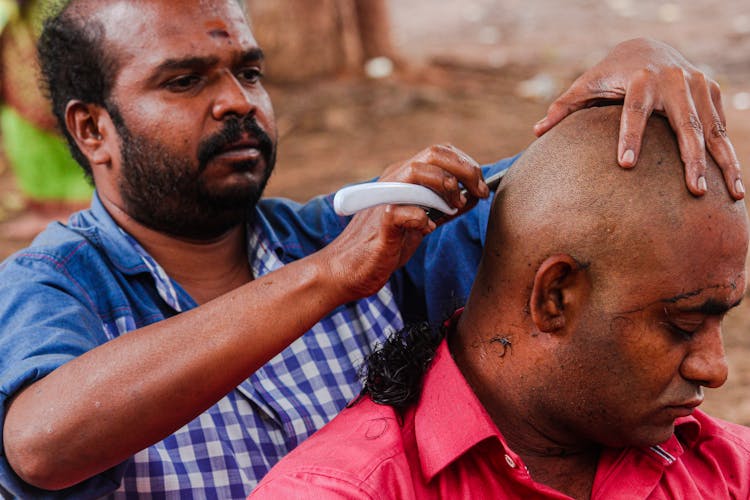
706, 362
231, 98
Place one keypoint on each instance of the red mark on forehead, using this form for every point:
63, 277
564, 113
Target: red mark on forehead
217, 29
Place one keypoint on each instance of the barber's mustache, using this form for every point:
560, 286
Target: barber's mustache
233, 130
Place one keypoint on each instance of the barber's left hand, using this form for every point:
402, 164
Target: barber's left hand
652, 76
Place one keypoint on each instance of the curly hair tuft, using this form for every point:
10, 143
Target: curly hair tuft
392, 375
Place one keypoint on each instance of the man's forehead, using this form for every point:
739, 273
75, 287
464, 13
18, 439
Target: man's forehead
146, 28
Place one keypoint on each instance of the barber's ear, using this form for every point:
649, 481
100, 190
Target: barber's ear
560, 286
91, 127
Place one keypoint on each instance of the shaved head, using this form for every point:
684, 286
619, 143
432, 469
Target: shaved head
566, 194
595, 318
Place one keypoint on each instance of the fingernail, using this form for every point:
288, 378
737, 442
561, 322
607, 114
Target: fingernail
628, 156
739, 186
702, 183
463, 199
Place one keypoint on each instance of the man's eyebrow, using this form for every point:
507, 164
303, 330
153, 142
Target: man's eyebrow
712, 307
198, 62
195, 62
252, 55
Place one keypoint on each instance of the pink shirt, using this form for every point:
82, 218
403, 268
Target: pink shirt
448, 447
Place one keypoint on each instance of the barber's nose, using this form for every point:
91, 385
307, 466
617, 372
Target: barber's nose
231, 98
706, 362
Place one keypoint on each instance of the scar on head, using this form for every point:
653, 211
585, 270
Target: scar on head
218, 33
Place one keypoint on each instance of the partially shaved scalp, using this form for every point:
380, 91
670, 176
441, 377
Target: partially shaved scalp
567, 194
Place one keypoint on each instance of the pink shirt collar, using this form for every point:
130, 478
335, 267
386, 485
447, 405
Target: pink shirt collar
450, 420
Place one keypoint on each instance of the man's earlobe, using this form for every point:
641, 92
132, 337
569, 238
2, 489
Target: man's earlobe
83, 121
557, 283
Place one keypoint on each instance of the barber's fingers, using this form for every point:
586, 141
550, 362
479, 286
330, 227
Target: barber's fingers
683, 117
716, 100
707, 98
690, 103
444, 169
399, 230
414, 225
636, 110
586, 90
561, 107
439, 180
375, 243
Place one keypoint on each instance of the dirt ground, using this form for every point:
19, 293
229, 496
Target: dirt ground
479, 74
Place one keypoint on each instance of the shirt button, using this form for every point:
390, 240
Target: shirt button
511, 463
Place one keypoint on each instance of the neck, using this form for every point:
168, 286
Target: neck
503, 380
206, 269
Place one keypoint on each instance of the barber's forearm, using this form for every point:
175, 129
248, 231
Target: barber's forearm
99, 409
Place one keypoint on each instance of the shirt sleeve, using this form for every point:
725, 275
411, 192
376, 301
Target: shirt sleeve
437, 279
44, 324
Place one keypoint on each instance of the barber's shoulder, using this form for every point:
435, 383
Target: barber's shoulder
61, 257
54, 245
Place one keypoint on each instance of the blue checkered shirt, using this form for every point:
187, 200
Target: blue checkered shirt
82, 284
232, 445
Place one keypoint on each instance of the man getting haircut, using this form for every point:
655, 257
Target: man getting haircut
184, 333
579, 361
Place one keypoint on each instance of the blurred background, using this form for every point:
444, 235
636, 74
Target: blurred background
360, 84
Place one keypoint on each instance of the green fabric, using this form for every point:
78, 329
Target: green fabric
8, 11
41, 162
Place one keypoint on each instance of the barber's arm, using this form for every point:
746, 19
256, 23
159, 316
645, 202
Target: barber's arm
104, 405
649, 76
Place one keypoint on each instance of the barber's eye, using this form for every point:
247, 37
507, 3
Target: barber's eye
250, 75
183, 83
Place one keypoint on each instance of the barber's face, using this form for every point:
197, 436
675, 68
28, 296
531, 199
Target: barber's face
196, 126
649, 340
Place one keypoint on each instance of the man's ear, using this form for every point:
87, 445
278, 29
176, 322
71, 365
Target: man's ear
90, 125
560, 286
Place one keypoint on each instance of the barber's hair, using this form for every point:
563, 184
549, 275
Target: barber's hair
74, 65
392, 374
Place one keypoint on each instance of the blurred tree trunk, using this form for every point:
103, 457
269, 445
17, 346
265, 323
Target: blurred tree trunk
306, 39
374, 24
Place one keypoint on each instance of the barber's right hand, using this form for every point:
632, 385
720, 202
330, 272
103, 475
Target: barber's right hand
381, 239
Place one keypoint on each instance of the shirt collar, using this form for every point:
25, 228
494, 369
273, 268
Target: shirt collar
130, 258
686, 435
260, 222
448, 408
102, 231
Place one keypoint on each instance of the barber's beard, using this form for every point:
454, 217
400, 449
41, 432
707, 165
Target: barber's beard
168, 194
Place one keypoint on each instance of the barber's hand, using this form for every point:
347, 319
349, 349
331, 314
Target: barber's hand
379, 240
652, 76
446, 170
